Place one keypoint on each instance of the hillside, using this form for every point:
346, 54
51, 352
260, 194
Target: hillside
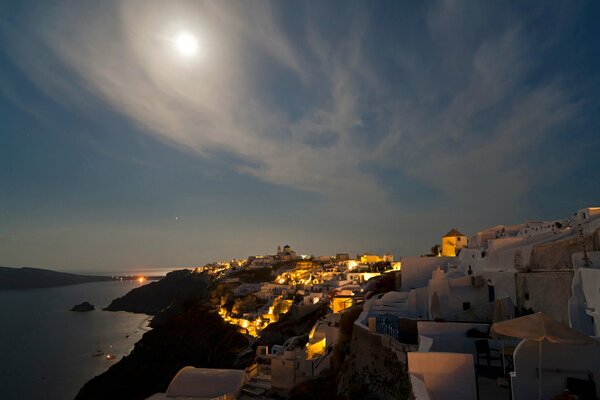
34, 278
194, 337
174, 289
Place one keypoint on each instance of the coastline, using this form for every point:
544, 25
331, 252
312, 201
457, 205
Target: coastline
47, 349
145, 324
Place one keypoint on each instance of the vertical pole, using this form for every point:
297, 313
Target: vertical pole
477, 381
540, 370
503, 364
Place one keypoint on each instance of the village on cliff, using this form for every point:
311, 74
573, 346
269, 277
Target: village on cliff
508, 312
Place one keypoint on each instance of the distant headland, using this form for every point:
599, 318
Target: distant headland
35, 278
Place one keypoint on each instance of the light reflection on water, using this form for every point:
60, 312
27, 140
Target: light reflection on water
140, 272
46, 349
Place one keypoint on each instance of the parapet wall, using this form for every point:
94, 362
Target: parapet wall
416, 271
372, 365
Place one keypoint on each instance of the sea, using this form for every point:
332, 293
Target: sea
46, 350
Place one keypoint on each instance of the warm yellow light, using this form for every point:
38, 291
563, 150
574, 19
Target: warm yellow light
369, 275
141, 279
316, 348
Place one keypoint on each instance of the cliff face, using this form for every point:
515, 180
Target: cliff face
296, 322
174, 289
186, 332
195, 336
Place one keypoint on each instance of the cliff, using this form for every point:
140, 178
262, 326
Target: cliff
34, 278
187, 331
170, 292
194, 337
296, 322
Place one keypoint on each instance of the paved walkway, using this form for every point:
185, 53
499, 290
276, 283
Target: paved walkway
489, 390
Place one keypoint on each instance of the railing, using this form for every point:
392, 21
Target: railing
565, 372
320, 359
388, 325
252, 370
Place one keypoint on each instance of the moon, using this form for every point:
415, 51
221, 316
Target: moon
186, 44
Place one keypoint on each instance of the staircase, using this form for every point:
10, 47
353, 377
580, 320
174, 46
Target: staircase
256, 388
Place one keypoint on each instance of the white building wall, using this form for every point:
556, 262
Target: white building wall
559, 361
450, 336
416, 271
470, 258
588, 213
506, 254
246, 288
462, 291
584, 304
503, 282
445, 375
418, 303
590, 225
579, 315
282, 373
593, 258
537, 228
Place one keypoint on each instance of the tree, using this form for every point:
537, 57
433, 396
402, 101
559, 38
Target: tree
435, 250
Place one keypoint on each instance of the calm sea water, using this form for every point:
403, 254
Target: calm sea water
46, 350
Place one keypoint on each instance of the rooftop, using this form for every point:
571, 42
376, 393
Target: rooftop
453, 233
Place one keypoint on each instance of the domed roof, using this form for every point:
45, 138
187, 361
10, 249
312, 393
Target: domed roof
205, 382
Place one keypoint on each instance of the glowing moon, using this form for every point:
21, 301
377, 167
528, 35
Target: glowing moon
186, 44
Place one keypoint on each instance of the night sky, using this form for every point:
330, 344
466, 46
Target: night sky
333, 126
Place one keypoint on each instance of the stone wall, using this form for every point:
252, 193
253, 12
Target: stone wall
548, 292
559, 255
372, 370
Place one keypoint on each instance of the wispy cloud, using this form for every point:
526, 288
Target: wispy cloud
461, 116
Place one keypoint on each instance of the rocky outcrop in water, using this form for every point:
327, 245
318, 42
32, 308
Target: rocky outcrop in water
83, 307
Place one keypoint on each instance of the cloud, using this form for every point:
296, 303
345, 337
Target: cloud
461, 116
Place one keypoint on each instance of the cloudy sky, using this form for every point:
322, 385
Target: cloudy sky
330, 125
